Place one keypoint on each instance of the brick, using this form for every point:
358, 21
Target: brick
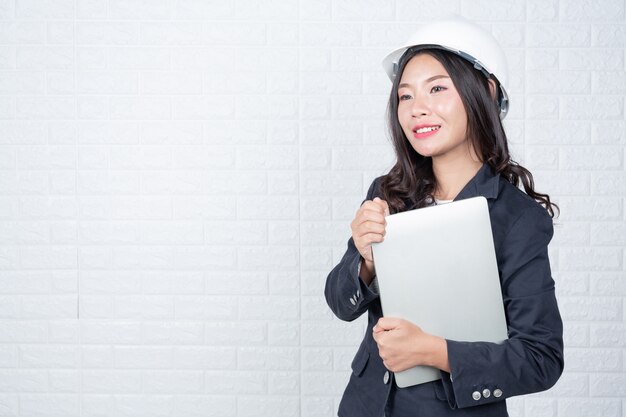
140, 108
608, 335
594, 360
487, 10
277, 406
591, 158
191, 207
108, 82
605, 108
608, 385
587, 10
613, 234
197, 9
557, 133
315, 208
315, 108
111, 332
284, 383
587, 407
283, 183
317, 406
558, 82
112, 381
139, 9
542, 59
273, 358
23, 32
142, 307
542, 11
609, 133
558, 35
110, 132
23, 331
608, 283
91, 9
48, 9
284, 333
354, 10
605, 82
542, 157
171, 33
267, 158
9, 404
22, 82
201, 357
267, 208
572, 283
266, 10
235, 382
608, 184
236, 283
324, 133
330, 183
193, 108
199, 406
269, 308
107, 33
591, 209
321, 383
315, 10
22, 132
540, 407
576, 335
205, 307
330, 333
542, 107
316, 258
284, 283
37, 405
284, 233
170, 83
48, 356
315, 307
408, 10
608, 35
559, 183
237, 333
591, 308
330, 34
591, 59
172, 332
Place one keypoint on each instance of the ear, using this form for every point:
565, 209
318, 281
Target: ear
493, 89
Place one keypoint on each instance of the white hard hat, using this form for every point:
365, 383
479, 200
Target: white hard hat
466, 39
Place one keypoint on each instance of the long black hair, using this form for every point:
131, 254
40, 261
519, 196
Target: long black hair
411, 182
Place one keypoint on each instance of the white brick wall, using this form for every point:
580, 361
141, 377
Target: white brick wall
177, 177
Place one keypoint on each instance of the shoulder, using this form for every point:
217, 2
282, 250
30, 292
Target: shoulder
515, 208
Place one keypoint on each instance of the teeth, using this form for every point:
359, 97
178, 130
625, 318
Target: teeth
426, 129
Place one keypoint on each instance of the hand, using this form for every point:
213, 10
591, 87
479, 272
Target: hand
403, 345
368, 226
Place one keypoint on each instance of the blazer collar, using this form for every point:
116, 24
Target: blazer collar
485, 183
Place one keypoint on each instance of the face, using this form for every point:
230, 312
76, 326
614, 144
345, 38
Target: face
431, 112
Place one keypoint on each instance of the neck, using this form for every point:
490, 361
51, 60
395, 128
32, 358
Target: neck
452, 176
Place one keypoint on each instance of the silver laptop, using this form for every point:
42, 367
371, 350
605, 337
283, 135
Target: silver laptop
437, 268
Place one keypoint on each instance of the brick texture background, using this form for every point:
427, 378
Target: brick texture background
177, 177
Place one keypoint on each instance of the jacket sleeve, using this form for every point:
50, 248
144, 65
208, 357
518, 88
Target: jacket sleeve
531, 360
346, 294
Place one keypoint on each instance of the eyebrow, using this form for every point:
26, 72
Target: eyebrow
433, 78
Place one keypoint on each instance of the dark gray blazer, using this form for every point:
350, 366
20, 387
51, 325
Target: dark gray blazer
482, 374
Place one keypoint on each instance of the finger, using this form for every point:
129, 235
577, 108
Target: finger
363, 241
382, 204
389, 323
373, 205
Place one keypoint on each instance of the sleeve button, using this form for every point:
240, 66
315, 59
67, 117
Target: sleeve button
486, 393
497, 393
476, 395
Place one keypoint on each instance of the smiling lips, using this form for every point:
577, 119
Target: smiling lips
423, 131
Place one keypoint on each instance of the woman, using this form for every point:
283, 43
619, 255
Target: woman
444, 114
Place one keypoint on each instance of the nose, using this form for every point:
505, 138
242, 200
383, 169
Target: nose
419, 106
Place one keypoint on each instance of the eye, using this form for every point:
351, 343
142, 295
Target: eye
404, 97
437, 89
